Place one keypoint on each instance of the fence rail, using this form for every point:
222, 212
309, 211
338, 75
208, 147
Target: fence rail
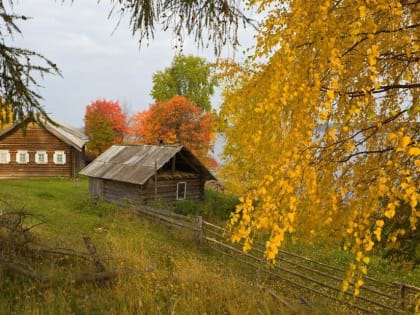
319, 278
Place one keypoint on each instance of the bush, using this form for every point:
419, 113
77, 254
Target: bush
218, 205
187, 207
407, 246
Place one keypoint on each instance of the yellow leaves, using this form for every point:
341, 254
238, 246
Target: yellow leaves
413, 221
390, 212
372, 54
378, 231
272, 245
366, 260
362, 11
330, 94
368, 244
247, 245
391, 136
293, 173
331, 133
291, 216
269, 178
323, 116
414, 151
404, 142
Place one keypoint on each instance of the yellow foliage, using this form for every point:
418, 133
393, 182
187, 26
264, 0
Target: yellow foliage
414, 151
321, 126
6, 115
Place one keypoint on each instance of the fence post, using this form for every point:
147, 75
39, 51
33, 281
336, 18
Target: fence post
402, 296
198, 226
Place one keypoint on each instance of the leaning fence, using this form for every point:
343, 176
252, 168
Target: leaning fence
319, 278
302, 272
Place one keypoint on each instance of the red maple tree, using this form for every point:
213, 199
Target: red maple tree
176, 121
105, 125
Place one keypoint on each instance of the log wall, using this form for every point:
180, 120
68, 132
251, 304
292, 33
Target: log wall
37, 138
167, 188
124, 193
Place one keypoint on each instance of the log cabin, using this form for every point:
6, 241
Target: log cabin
141, 173
37, 148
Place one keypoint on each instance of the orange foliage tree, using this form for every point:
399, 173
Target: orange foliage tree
105, 125
177, 120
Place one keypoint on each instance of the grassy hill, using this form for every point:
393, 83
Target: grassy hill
168, 272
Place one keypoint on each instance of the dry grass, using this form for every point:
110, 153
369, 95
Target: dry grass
170, 273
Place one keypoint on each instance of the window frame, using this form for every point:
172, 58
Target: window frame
20, 153
57, 153
41, 152
178, 191
5, 153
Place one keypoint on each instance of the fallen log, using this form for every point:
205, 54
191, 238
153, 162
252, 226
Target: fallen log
27, 272
97, 276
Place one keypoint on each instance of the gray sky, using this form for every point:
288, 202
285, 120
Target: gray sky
96, 63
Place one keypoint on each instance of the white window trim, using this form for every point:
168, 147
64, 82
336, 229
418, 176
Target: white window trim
7, 153
18, 154
178, 191
44, 153
55, 157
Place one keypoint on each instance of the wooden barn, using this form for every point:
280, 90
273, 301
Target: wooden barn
140, 173
41, 149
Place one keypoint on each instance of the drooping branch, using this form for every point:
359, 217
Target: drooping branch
19, 70
213, 21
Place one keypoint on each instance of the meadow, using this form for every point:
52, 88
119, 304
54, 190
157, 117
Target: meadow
167, 272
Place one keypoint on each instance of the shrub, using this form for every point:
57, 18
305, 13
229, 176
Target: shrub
407, 246
187, 207
218, 205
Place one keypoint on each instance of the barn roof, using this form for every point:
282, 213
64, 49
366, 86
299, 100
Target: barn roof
67, 134
137, 163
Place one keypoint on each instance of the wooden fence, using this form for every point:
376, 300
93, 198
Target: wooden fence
304, 273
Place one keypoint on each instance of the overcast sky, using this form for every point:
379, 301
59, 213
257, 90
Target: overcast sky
96, 63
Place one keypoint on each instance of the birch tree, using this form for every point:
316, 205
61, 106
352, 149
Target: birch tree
322, 127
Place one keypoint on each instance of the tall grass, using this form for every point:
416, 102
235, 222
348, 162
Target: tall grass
170, 274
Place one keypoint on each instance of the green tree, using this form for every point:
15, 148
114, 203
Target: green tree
187, 76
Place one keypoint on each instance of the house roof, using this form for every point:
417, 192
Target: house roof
67, 134
137, 163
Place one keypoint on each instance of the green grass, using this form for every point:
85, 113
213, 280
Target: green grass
170, 273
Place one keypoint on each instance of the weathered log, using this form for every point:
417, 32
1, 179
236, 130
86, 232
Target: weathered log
15, 268
62, 252
279, 298
94, 254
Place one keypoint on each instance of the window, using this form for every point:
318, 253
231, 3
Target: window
59, 157
4, 156
41, 157
181, 190
22, 157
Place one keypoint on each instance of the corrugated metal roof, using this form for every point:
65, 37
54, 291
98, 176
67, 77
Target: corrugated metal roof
136, 163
